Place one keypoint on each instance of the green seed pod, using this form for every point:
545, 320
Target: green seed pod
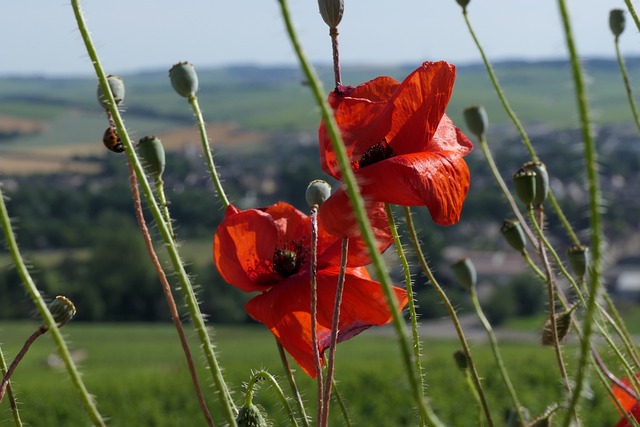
151, 152
476, 119
465, 272
317, 192
62, 310
525, 183
463, 3
331, 11
563, 323
542, 181
514, 234
116, 84
184, 79
578, 256
616, 22
250, 416
461, 359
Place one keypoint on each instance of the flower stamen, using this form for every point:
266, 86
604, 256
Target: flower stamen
288, 258
381, 151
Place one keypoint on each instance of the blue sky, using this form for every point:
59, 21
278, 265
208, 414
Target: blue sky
41, 38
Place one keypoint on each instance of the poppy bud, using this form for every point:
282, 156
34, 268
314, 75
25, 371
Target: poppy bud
476, 119
542, 181
317, 192
563, 322
62, 310
514, 234
151, 152
116, 84
184, 79
250, 416
578, 256
465, 272
331, 11
616, 21
462, 361
463, 3
525, 183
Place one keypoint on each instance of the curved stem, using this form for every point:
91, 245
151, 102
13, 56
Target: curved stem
627, 83
452, 313
426, 413
166, 288
228, 406
16, 361
15, 413
292, 384
263, 375
193, 101
595, 203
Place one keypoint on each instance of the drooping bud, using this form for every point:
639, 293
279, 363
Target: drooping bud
616, 21
317, 192
463, 4
116, 84
250, 416
563, 323
476, 119
62, 310
514, 234
542, 181
525, 183
151, 152
465, 273
184, 79
331, 11
461, 359
578, 256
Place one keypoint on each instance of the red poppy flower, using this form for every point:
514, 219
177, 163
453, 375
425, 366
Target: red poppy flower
402, 148
267, 250
629, 404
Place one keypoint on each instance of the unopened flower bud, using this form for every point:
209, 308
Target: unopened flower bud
151, 152
578, 256
476, 119
465, 272
461, 359
514, 234
463, 3
525, 183
331, 11
542, 181
250, 416
616, 21
62, 310
116, 84
184, 79
563, 323
317, 192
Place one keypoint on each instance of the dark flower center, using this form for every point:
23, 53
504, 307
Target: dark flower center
288, 258
381, 151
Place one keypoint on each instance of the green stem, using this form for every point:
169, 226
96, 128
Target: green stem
496, 354
595, 203
410, 294
627, 83
426, 413
341, 404
15, 413
471, 386
533, 266
452, 312
292, 384
193, 101
164, 205
314, 313
228, 406
633, 13
263, 375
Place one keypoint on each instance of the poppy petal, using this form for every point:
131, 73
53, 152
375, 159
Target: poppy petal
285, 310
624, 399
633, 413
243, 249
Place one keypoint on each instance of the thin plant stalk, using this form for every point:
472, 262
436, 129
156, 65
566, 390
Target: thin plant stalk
15, 413
228, 406
292, 383
497, 356
627, 83
341, 405
334, 331
632, 11
50, 323
452, 313
516, 122
263, 375
333, 32
314, 312
16, 361
595, 204
166, 288
425, 411
410, 294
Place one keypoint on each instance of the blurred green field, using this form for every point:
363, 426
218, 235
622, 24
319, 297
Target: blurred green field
139, 377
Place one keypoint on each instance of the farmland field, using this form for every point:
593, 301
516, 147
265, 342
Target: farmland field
139, 377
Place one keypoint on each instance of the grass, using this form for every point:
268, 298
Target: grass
139, 377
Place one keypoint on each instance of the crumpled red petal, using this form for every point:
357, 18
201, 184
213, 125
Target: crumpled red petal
633, 413
285, 310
